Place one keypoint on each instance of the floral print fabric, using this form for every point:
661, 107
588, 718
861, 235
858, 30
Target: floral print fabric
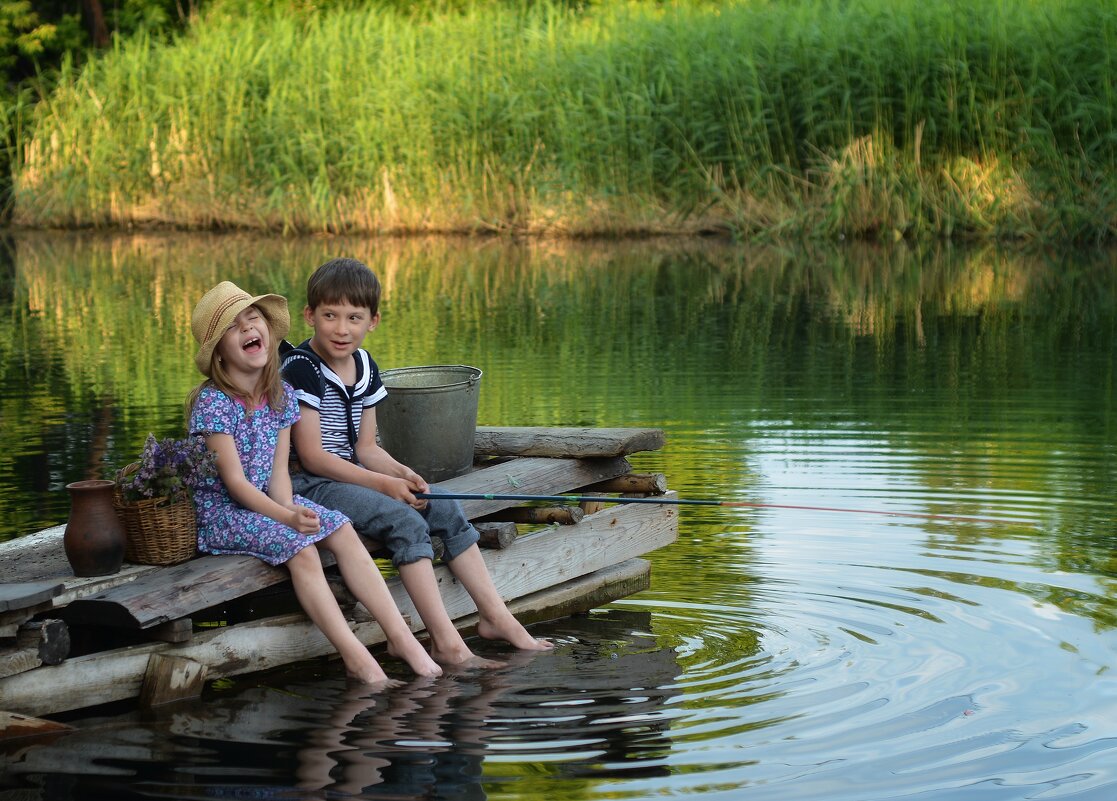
224, 526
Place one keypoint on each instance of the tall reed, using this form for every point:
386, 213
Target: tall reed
862, 118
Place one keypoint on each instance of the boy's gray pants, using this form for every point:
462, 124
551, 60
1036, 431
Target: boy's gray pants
404, 531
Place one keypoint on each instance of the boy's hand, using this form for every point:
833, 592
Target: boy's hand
404, 490
419, 483
303, 520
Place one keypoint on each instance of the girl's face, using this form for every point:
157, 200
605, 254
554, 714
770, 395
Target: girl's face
245, 346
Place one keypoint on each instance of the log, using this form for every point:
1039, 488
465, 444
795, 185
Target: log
496, 535
565, 442
45, 642
171, 678
50, 638
117, 675
541, 515
639, 483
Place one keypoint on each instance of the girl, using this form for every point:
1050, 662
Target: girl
245, 412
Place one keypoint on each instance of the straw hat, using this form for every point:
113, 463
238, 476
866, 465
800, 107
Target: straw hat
219, 307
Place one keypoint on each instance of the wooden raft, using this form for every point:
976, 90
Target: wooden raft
548, 571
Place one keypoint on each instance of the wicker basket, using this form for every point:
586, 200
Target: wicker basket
158, 532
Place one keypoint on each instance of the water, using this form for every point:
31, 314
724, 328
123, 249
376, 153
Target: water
782, 653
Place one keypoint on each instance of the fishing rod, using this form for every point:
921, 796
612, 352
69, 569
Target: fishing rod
491, 496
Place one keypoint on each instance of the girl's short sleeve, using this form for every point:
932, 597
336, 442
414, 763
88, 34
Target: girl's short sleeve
290, 414
214, 413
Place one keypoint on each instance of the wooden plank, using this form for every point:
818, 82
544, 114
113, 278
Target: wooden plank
531, 476
557, 554
176, 591
565, 442
581, 594
27, 593
14, 726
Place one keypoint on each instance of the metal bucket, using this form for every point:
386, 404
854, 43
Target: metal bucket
429, 419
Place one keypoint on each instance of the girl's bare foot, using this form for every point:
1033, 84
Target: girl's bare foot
411, 652
364, 668
512, 631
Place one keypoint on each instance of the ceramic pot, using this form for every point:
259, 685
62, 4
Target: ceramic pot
94, 536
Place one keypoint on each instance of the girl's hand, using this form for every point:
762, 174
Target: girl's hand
303, 520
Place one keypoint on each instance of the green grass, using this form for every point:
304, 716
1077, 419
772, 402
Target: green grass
874, 119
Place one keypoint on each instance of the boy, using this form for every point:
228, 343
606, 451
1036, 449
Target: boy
342, 467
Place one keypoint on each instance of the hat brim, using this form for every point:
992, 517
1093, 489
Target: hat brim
275, 311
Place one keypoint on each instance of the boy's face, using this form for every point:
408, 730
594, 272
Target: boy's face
339, 328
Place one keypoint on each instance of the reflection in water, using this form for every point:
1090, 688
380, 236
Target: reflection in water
594, 706
780, 653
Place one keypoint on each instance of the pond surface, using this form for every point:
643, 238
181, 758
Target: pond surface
782, 652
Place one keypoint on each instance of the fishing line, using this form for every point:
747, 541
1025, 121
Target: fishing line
487, 496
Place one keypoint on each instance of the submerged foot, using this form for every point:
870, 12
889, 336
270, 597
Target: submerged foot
463, 658
417, 659
512, 631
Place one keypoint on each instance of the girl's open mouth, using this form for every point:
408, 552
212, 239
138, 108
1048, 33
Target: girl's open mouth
252, 345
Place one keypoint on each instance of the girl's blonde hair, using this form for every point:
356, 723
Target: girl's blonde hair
269, 388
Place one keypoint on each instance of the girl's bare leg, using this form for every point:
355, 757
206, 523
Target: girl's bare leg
363, 579
496, 622
321, 607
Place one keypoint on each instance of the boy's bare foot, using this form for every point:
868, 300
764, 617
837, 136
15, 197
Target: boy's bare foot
512, 631
463, 658
411, 652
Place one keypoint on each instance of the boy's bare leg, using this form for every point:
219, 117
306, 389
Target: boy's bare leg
362, 577
447, 645
320, 606
496, 622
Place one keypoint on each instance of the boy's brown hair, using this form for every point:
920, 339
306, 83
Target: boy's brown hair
344, 280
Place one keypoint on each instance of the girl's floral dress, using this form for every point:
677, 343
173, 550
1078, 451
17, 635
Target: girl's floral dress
224, 526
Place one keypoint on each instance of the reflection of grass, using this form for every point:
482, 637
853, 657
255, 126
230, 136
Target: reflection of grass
985, 119
568, 334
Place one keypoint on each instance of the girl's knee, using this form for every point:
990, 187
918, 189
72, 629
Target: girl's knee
305, 559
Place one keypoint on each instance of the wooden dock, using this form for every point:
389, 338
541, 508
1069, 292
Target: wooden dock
160, 633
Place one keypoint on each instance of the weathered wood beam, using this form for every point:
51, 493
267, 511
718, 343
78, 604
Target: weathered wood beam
564, 442
531, 476
556, 554
171, 678
20, 595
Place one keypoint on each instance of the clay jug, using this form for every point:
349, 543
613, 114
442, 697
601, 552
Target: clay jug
94, 537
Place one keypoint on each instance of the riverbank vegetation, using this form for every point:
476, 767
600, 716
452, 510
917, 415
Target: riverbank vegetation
878, 119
